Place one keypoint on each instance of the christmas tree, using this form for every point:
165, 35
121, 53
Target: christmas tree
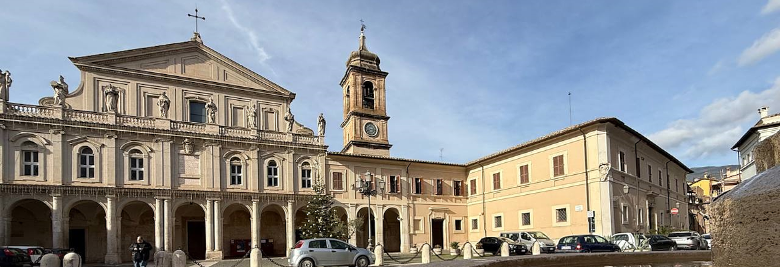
322, 220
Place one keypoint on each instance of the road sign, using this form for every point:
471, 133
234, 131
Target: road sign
591, 214
675, 211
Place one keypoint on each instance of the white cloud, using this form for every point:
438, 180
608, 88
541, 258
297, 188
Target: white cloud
719, 124
771, 6
761, 48
254, 42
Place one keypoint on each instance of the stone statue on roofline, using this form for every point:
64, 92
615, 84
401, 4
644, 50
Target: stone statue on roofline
60, 91
211, 111
321, 125
112, 97
251, 116
164, 103
290, 118
5, 84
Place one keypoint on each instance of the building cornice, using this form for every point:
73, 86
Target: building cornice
371, 145
363, 70
361, 114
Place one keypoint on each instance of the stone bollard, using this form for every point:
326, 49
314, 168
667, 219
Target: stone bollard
162, 259
426, 253
255, 258
379, 260
467, 252
50, 260
536, 249
179, 259
71, 260
505, 249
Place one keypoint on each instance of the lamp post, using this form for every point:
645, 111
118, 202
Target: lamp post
365, 188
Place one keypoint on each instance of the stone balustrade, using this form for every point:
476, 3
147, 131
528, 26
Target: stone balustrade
60, 113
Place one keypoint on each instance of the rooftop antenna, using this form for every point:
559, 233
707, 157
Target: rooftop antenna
441, 154
569, 108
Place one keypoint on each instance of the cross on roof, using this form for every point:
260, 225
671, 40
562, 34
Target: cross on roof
196, 18
362, 25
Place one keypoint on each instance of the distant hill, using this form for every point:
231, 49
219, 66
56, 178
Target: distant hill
714, 171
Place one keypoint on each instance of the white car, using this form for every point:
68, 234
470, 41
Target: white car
708, 238
328, 252
688, 240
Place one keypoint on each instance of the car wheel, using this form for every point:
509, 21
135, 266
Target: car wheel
362, 262
586, 251
306, 263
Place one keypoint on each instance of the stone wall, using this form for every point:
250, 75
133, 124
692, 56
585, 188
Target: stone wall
767, 153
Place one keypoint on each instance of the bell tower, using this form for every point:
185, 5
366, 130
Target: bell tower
365, 114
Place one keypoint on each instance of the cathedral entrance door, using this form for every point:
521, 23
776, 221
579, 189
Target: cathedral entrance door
437, 232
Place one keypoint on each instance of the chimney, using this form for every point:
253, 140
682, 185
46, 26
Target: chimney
764, 111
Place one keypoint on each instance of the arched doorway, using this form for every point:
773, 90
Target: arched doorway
273, 232
137, 220
362, 233
391, 230
341, 213
30, 223
300, 219
87, 230
190, 230
236, 231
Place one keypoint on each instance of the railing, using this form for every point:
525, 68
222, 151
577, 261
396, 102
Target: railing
55, 112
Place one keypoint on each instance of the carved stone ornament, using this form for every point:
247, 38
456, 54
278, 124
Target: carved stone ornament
60, 91
290, 118
188, 146
321, 125
164, 103
211, 111
5, 84
251, 116
112, 97
604, 170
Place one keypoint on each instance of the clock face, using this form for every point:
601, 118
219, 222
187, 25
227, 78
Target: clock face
371, 129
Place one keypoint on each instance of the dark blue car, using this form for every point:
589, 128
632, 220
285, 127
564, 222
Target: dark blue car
586, 244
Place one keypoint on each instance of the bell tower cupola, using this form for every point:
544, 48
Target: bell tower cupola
365, 114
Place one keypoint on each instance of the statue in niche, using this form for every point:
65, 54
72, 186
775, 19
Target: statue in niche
251, 116
5, 84
211, 111
60, 91
112, 97
164, 103
290, 118
188, 147
321, 125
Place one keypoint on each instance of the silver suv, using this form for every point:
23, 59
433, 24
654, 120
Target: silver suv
328, 252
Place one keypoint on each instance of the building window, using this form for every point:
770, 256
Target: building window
659, 177
395, 184
418, 186
338, 180
474, 224
676, 185
457, 188
525, 219
497, 221
523, 171
197, 111
273, 174
136, 165
473, 187
439, 186
458, 225
558, 166
622, 161
305, 175
30, 163
560, 215
497, 181
625, 214
86, 163
236, 171
368, 95
649, 173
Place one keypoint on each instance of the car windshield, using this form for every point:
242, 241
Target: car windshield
504, 239
538, 235
568, 240
683, 234
658, 238
511, 236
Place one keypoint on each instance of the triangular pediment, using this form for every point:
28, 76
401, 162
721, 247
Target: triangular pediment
187, 59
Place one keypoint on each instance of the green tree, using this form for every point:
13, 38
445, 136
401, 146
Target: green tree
321, 219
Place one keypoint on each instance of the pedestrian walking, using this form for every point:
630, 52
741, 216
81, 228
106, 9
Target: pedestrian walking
140, 250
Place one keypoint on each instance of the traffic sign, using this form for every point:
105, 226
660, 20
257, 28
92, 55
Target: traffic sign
675, 211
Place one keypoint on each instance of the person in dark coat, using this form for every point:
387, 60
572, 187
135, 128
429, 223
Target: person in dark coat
140, 250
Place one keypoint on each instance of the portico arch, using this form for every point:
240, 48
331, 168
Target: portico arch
86, 231
363, 233
236, 230
391, 230
30, 223
137, 219
273, 232
190, 229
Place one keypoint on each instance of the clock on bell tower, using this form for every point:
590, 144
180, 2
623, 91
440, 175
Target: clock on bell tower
365, 114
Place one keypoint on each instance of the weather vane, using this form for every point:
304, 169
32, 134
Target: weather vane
196, 18
362, 25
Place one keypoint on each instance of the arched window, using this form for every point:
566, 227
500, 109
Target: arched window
305, 175
368, 95
136, 165
29, 159
273, 174
86, 162
236, 171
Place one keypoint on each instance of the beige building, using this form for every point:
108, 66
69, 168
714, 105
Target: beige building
191, 150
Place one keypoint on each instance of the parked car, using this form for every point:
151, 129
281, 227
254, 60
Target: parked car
60, 252
493, 245
661, 243
528, 238
688, 240
328, 252
35, 253
586, 244
708, 238
14, 257
627, 241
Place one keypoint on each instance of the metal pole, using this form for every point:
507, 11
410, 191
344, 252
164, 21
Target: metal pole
370, 217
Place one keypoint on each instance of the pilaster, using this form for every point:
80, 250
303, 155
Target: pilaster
352, 214
113, 172
56, 221
163, 164
255, 177
404, 229
168, 224
290, 224
112, 256
158, 225
379, 237
289, 174
59, 160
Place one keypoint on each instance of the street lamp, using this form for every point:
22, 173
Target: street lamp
363, 186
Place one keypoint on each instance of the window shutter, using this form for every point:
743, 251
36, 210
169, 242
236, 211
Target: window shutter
398, 184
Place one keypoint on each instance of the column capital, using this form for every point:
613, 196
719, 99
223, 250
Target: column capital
162, 198
110, 196
290, 201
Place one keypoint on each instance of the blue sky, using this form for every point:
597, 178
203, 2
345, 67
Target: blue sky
471, 77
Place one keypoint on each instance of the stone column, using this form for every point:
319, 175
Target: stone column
158, 225
168, 224
404, 229
112, 256
255, 223
217, 229
351, 215
290, 225
209, 227
66, 230
379, 236
3, 215
56, 221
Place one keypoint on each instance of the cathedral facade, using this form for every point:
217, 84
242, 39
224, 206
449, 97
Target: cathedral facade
191, 150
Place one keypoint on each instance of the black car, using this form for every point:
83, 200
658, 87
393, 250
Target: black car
661, 243
14, 257
493, 245
586, 244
